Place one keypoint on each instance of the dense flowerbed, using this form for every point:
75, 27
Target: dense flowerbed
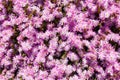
59, 39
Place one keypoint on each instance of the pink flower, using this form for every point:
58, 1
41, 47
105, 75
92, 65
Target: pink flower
69, 69
2, 77
109, 70
5, 61
57, 71
43, 74
2, 17
72, 56
116, 66
26, 46
74, 78
105, 14
53, 45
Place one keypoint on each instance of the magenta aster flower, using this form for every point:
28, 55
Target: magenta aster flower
59, 39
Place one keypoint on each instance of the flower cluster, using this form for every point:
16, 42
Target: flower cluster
59, 39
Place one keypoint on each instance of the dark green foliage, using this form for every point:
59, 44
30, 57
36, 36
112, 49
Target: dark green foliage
114, 44
46, 42
23, 54
85, 48
63, 10
25, 38
74, 49
102, 63
96, 15
85, 68
73, 73
1, 69
114, 29
44, 26
59, 36
54, 1
96, 29
42, 67
56, 21
16, 72
61, 55
93, 77
70, 62
90, 38
14, 41
8, 6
